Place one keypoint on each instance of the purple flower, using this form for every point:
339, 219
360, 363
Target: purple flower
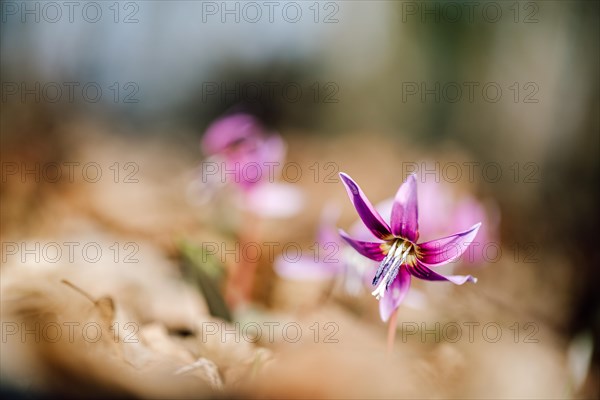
243, 153
246, 151
397, 250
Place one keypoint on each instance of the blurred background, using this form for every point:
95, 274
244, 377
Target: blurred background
497, 100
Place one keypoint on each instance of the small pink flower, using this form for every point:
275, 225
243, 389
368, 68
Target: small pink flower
247, 153
246, 156
397, 250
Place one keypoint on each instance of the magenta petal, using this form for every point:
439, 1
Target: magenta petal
370, 250
229, 130
305, 269
405, 214
421, 271
394, 295
365, 209
359, 231
442, 251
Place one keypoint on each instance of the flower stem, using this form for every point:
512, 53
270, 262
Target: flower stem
392, 328
241, 281
328, 292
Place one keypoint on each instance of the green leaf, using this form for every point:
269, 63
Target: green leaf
206, 273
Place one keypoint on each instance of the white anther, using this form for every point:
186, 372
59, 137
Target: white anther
399, 253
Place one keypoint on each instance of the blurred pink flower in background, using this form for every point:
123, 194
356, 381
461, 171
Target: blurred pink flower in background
247, 153
330, 259
443, 208
242, 153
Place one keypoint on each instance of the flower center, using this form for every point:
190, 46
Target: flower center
401, 252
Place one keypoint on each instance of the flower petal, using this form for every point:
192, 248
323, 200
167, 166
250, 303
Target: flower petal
470, 210
359, 231
370, 250
272, 150
274, 200
327, 232
229, 130
405, 213
442, 251
421, 271
305, 269
395, 294
365, 209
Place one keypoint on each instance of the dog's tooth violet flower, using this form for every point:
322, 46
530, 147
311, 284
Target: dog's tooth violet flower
246, 149
397, 250
241, 151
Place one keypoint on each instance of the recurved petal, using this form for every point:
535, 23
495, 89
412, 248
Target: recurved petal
370, 250
305, 269
442, 251
359, 231
365, 209
421, 271
405, 215
395, 294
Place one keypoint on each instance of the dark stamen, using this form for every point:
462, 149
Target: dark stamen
393, 276
382, 268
